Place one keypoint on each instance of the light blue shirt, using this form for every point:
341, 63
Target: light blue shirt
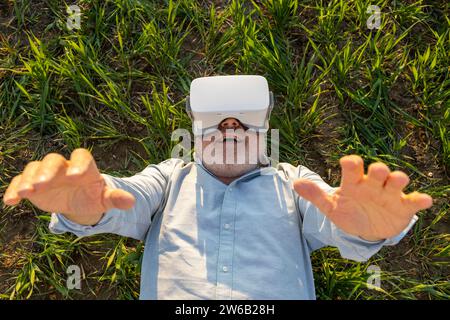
251, 239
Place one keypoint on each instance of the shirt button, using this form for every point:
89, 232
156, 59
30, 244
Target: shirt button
225, 269
226, 226
231, 189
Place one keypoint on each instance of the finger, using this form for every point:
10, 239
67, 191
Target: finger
352, 170
11, 197
52, 167
313, 193
417, 201
377, 174
396, 181
81, 164
117, 198
25, 187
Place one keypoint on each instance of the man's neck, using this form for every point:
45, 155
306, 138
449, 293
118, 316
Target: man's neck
226, 180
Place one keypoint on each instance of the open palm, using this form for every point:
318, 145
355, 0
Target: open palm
371, 206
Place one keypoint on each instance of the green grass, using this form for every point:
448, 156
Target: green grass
118, 85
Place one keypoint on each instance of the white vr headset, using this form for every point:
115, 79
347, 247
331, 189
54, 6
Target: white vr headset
244, 97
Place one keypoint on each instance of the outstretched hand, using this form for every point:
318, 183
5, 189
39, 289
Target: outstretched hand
74, 188
371, 206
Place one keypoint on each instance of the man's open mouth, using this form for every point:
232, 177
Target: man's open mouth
229, 139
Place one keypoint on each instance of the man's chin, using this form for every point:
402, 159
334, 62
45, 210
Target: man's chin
229, 170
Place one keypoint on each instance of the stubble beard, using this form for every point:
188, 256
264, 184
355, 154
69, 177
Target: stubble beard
233, 167
230, 170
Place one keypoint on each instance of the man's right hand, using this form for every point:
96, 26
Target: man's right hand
74, 188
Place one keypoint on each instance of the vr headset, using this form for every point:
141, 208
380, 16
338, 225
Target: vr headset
244, 97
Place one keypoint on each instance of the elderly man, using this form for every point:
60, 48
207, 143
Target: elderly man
221, 230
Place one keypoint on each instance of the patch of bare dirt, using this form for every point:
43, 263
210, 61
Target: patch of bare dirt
16, 230
320, 148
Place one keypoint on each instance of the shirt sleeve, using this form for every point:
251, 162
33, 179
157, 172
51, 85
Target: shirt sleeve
149, 187
319, 231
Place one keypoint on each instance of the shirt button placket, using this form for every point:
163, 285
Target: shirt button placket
225, 258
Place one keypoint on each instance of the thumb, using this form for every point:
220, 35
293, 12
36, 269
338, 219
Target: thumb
117, 198
313, 193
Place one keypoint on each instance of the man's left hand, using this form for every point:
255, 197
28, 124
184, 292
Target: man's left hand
371, 206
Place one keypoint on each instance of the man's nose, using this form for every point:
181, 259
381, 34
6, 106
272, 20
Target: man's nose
230, 123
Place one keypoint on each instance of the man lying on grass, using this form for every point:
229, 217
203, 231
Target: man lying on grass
218, 230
